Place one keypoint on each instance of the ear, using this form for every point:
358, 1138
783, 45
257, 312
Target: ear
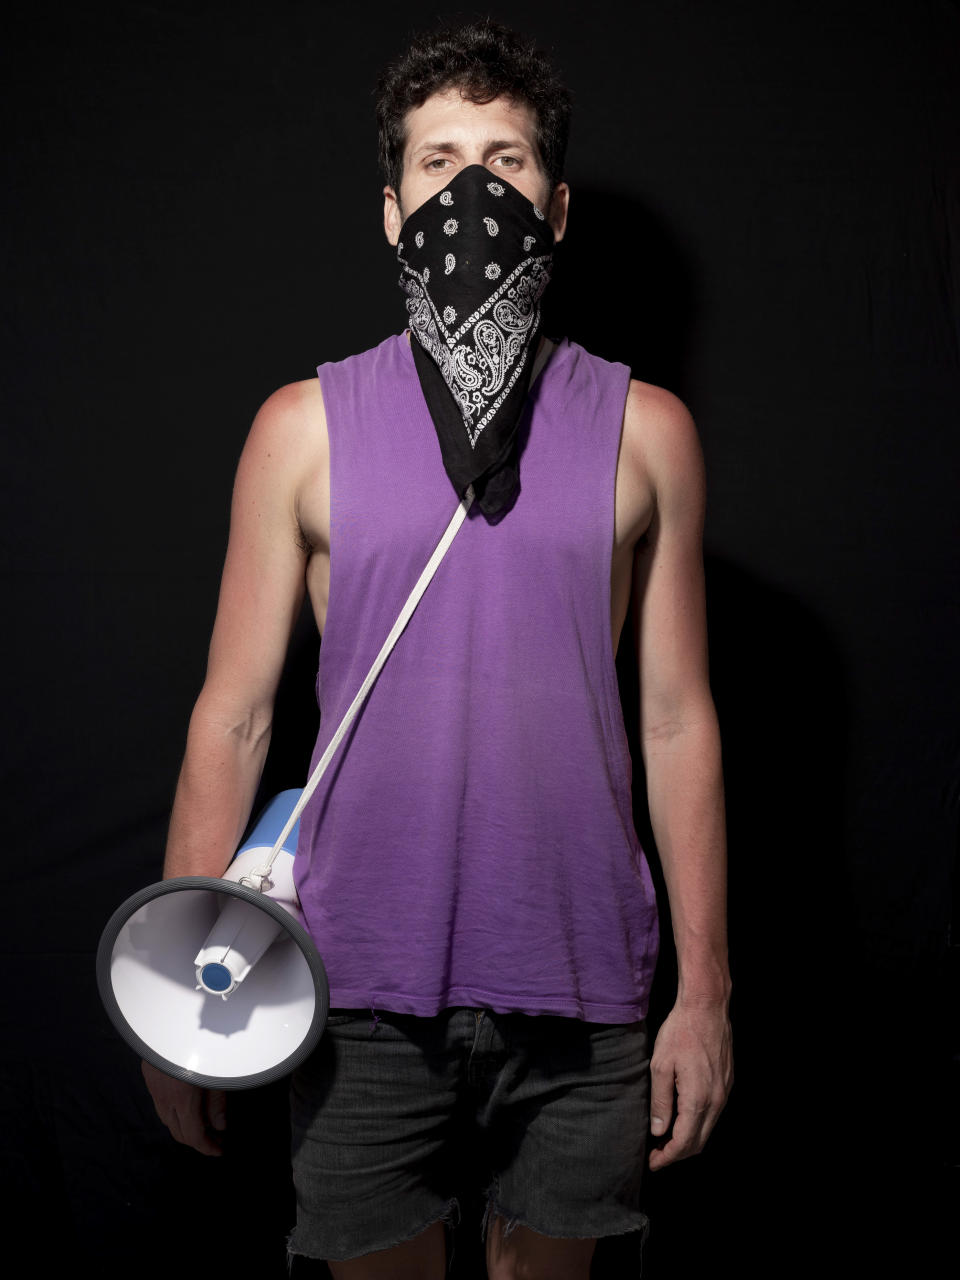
557, 213
392, 216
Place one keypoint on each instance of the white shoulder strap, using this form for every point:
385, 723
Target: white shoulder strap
255, 879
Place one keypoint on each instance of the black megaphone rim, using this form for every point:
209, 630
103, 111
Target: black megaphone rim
132, 905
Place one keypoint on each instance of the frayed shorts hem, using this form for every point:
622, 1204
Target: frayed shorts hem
494, 1209
338, 1252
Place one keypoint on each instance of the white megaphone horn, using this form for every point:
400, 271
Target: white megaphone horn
213, 981
188, 969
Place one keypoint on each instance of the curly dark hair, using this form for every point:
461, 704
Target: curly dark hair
484, 60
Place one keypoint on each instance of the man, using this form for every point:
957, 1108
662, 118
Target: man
470, 873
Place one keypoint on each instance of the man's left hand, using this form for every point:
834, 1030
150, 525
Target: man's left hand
691, 1077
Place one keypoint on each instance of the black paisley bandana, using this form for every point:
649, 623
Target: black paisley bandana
476, 258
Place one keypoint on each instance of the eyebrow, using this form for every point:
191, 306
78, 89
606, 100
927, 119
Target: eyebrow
495, 144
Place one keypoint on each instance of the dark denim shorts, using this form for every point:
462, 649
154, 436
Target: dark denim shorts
550, 1114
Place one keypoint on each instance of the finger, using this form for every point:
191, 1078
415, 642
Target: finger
660, 1157
693, 1125
685, 1138
662, 1096
192, 1126
217, 1109
172, 1122
185, 1110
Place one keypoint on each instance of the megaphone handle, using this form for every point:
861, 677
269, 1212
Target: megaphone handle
395, 631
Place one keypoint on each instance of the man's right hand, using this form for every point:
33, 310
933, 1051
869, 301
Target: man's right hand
196, 1117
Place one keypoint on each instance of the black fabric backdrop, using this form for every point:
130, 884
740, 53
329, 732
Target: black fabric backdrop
785, 176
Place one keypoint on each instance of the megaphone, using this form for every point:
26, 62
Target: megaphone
214, 982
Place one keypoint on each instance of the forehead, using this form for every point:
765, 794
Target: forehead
448, 117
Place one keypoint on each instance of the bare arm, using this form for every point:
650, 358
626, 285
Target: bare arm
680, 742
261, 593
260, 596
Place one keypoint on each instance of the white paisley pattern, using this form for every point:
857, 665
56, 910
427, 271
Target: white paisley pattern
446, 197
450, 226
484, 357
492, 271
449, 263
418, 239
492, 228
528, 243
495, 188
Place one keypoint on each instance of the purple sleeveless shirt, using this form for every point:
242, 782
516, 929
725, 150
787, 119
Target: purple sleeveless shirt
473, 841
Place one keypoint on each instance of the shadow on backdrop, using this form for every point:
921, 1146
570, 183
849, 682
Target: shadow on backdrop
635, 305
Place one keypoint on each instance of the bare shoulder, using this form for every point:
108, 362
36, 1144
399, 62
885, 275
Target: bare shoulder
289, 423
661, 444
286, 443
285, 447
296, 398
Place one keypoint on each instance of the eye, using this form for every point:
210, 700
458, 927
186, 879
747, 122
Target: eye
440, 162
508, 162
